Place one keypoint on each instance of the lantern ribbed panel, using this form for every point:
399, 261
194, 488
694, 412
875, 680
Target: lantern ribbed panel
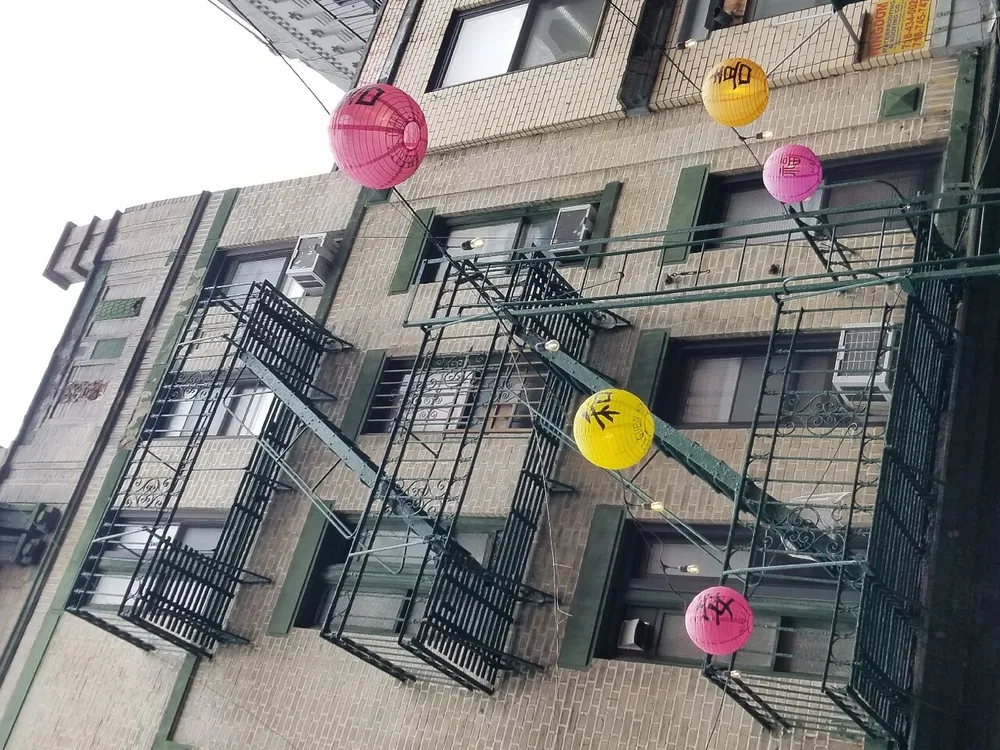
735, 92
719, 621
613, 429
378, 136
792, 173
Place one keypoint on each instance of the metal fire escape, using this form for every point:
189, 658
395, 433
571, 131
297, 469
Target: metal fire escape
839, 486
137, 581
454, 622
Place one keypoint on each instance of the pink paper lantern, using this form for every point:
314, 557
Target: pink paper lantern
719, 621
378, 135
792, 173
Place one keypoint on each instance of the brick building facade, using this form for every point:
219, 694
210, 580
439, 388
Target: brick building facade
505, 150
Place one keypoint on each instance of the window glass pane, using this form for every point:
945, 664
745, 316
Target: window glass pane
246, 411
109, 590
756, 203
771, 8
238, 274
561, 30
498, 241
291, 288
484, 45
135, 536
674, 642
814, 373
200, 538
538, 231
745, 402
709, 387
909, 180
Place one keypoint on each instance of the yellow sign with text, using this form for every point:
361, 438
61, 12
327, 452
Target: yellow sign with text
898, 26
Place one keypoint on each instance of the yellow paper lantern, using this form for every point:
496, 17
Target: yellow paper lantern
735, 92
613, 429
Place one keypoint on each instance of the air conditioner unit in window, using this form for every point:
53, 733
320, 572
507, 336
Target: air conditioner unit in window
311, 261
862, 350
573, 224
636, 635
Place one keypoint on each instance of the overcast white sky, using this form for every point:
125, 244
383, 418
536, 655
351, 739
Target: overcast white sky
111, 103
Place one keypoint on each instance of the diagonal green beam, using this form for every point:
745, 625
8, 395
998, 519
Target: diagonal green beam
343, 447
715, 472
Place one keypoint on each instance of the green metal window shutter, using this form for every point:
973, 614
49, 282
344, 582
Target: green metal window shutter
647, 365
413, 250
684, 211
592, 588
304, 556
356, 412
602, 223
294, 585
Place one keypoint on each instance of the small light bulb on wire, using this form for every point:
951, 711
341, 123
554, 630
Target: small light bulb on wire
690, 43
474, 244
656, 506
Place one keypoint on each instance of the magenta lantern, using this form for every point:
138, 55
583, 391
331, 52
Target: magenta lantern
719, 621
792, 173
378, 135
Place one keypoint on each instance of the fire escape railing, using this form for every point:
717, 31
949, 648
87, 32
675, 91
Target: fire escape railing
457, 619
159, 592
841, 488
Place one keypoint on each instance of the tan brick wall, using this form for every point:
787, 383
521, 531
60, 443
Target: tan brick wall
585, 90
41, 712
301, 691
47, 466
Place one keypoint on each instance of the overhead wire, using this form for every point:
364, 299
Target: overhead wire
270, 44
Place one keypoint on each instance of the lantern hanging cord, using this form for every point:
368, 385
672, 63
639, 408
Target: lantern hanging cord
679, 69
800, 45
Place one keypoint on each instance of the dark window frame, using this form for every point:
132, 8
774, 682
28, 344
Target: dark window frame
119, 562
331, 554
835, 173
716, 19
502, 418
671, 391
231, 258
451, 35
223, 424
666, 596
429, 268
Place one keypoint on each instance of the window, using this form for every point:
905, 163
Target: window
109, 580
457, 393
491, 41
243, 410
239, 271
384, 598
846, 184
717, 384
791, 617
722, 13
490, 242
